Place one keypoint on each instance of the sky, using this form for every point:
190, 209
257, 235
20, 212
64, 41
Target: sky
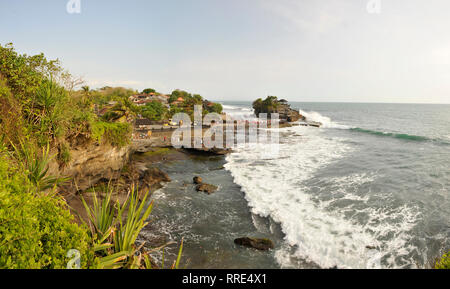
240, 50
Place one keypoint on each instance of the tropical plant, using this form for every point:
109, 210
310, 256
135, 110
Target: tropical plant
101, 215
37, 166
116, 228
129, 229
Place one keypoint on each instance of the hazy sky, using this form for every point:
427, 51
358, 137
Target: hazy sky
301, 50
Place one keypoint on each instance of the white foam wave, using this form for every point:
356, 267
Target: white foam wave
314, 231
326, 121
239, 113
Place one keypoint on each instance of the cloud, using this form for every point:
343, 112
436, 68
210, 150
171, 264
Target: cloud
308, 16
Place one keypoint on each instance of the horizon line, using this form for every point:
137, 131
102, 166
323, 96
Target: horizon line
356, 102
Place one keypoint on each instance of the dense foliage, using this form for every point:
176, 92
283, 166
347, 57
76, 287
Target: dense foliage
38, 103
116, 134
36, 229
188, 103
41, 113
444, 262
148, 90
268, 105
154, 111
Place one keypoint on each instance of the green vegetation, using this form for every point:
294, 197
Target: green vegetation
41, 119
64, 156
116, 134
38, 103
154, 111
35, 167
148, 90
268, 105
36, 229
444, 262
188, 103
117, 234
215, 107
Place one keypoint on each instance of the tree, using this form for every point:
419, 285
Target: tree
269, 105
154, 111
177, 94
217, 108
148, 90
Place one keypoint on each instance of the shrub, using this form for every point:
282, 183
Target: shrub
268, 105
444, 262
36, 231
154, 110
116, 134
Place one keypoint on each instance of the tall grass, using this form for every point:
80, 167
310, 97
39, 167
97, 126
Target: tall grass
116, 228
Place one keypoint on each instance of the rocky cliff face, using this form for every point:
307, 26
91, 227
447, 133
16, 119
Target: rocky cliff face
272, 105
90, 163
287, 113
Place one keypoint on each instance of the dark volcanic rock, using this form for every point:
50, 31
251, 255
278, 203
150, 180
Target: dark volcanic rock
198, 180
153, 175
208, 151
151, 180
206, 188
260, 244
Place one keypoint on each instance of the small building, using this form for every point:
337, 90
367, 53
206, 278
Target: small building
180, 100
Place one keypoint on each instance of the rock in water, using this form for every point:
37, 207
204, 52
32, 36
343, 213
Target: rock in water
151, 181
206, 188
260, 244
198, 180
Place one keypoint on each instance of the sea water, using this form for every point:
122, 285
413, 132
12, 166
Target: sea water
370, 189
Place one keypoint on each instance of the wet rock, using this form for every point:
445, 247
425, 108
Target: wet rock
198, 180
260, 244
208, 151
206, 188
151, 180
153, 175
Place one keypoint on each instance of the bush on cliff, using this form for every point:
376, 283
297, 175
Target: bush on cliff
36, 229
116, 134
267, 105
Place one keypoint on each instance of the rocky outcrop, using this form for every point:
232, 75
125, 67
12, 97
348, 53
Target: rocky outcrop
202, 187
272, 105
90, 163
146, 145
206, 188
151, 180
198, 180
260, 244
208, 151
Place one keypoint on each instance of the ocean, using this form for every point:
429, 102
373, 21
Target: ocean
370, 189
